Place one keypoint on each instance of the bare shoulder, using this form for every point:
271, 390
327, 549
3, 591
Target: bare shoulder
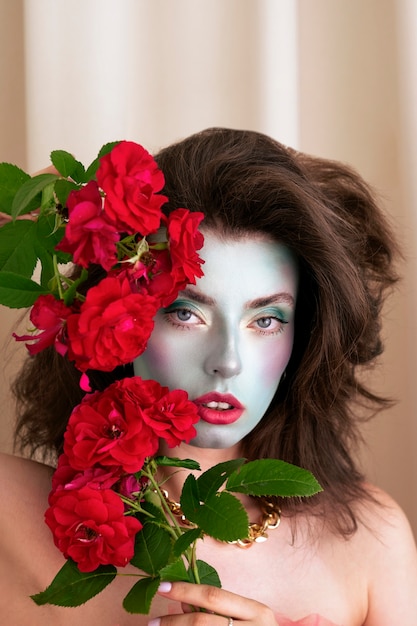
24, 487
19, 475
20, 463
389, 555
386, 520
29, 559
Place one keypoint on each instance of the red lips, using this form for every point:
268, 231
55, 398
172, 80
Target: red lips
218, 408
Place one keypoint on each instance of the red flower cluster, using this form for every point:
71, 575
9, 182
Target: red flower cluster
130, 179
108, 438
112, 326
170, 270
121, 426
90, 527
89, 236
108, 222
49, 315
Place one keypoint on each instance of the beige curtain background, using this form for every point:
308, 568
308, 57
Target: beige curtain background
331, 77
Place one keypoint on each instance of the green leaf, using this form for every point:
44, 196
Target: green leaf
272, 477
30, 191
220, 515
210, 481
152, 549
48, 270
108, 147
71, 587
175, 462
11, 179
186, 539
150, 507
17, 254
68, 166
69, 294
17, 292
63, 188
223, 517
175, 571
23, 242
207, 575
92, 169
47, 238
139, 598
47, 199
190, 498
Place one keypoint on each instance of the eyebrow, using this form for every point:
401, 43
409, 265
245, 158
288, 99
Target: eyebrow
276, 298
197, 296
258, 303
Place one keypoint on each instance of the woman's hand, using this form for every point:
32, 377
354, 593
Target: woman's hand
223, 607
5, 218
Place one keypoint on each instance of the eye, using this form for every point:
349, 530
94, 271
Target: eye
264, 322
268, 324
182, 317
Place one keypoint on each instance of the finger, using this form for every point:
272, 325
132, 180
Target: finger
196, 619
6, 218
47, 170
219, 601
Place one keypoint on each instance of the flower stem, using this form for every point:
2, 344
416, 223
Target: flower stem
193, 562
134, 505
57, 277
168, 513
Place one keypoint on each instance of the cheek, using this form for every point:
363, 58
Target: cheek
155, 356
275, 360
155, 361
165, 358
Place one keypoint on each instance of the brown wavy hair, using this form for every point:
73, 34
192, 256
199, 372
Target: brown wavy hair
245, 182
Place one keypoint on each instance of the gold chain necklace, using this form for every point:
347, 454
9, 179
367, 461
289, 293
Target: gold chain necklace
270, 519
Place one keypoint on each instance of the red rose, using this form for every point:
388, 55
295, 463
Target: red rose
89, 236
172, 417
130, 178
113, 326
66, 477
89, 526
129, 486
49, 315
184, 241
108, 428
163, 272
155, 278
163, 284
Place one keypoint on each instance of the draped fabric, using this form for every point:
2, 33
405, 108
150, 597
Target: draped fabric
338, 79
156, 71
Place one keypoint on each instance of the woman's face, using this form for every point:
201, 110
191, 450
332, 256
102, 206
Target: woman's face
227, 340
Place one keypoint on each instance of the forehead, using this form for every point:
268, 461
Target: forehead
252, 265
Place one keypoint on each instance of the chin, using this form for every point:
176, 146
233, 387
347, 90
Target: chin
212, 442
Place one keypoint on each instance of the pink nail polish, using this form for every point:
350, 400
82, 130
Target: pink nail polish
154, 622
164, 587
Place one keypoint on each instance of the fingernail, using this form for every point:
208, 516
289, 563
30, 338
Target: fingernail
154, 622
164, 587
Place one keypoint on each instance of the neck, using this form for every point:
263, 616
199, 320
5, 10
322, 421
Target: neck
207, 457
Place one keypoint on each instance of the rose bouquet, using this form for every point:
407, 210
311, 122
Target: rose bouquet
108, 507
95, 217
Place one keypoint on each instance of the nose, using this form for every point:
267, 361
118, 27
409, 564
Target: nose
223, 358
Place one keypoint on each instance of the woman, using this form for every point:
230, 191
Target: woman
268, 344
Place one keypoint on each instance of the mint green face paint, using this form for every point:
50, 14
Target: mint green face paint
227, 340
